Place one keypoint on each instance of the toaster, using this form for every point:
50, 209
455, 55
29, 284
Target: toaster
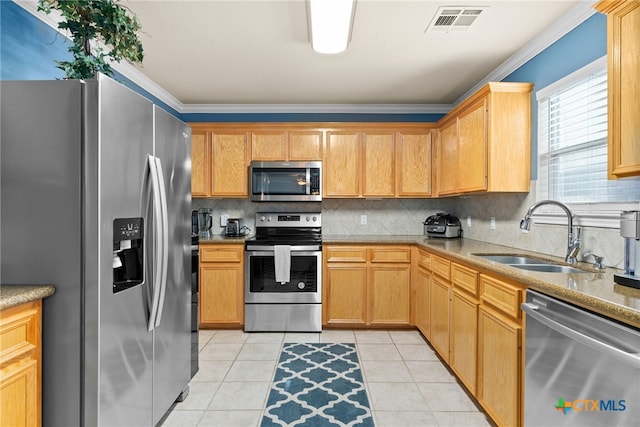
443, 225
233, 227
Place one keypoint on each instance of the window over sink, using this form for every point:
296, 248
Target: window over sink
572, 151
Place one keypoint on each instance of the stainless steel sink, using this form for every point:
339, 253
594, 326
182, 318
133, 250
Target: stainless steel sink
512, 259
549, 268
524, 262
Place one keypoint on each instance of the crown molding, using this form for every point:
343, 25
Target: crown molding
570, 20
574, 17
319, 108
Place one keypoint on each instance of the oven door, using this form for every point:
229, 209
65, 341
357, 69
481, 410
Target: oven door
305, 285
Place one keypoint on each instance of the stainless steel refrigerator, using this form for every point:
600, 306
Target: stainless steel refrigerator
96, 200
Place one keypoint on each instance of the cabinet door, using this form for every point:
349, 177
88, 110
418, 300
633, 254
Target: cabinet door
268, 145
423, 300
19, 394
229, 168
448, 159
440, 316
221, 294
200, 164
623, 45
305, 145
464, 329
413, 164
345, 294
472, 148
341, 164
378, 170
499, 373
390, 294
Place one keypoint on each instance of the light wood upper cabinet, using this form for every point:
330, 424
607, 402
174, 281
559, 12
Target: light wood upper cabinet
268, 145
378, 162
219, 161
283, 145
230, 162
447, 169
305, 145
485, 142
200, 164
623, 56
378, 167
472, 148
341, 165
413, 163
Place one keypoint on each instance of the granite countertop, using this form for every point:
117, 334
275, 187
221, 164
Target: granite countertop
594, 290
12, 295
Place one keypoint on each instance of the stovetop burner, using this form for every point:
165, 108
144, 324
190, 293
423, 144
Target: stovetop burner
287, 229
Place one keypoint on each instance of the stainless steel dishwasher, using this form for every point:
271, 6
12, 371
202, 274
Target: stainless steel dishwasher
581, 369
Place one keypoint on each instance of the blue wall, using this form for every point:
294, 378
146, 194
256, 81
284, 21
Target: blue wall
28, 49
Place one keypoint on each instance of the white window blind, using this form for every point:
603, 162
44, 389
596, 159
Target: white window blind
572, 141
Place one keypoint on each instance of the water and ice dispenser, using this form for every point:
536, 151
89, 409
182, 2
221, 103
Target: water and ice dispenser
128, 244
630, 231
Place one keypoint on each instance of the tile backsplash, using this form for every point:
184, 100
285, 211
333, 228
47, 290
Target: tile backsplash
406, 217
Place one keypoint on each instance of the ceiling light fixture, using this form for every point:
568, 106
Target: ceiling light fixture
330, 24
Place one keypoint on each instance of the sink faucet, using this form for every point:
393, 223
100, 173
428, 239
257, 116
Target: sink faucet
573, 240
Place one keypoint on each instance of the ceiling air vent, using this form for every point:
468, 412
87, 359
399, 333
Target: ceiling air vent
455, 18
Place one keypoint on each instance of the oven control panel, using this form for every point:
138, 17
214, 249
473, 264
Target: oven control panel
279, 219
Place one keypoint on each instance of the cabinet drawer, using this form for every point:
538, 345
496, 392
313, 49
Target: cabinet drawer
424, 260
391, 254
345, 254
441, 267
221, 253
19, 330
501, 295
464, 278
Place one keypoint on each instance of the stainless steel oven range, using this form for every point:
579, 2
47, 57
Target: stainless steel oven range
283, 273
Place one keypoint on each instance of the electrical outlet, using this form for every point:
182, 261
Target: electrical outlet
469, 221
492, 223
223, 220
363, 220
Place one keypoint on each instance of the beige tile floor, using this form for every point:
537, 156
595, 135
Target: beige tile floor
406, 383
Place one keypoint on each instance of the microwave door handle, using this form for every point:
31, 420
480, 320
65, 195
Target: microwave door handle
308, 181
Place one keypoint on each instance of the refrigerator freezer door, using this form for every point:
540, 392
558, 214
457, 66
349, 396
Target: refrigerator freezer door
172, 339
125, 347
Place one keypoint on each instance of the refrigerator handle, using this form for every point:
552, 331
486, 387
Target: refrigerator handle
164, 262
157, 242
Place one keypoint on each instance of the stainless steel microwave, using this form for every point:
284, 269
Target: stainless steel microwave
285, 181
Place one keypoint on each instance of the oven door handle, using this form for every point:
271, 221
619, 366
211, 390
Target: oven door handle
250, 252
268, 249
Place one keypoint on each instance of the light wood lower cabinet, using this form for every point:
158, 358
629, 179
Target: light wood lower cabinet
500, 341
20, 365
221, 282
464, 324
422, 285
474, 323
367, 286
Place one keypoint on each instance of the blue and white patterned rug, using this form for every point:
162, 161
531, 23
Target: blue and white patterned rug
318, 384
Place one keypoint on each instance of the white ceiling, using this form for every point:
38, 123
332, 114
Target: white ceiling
258, 52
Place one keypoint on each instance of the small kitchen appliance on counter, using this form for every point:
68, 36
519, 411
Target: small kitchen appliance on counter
443, 225
205, 222
232, 229
630, 231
